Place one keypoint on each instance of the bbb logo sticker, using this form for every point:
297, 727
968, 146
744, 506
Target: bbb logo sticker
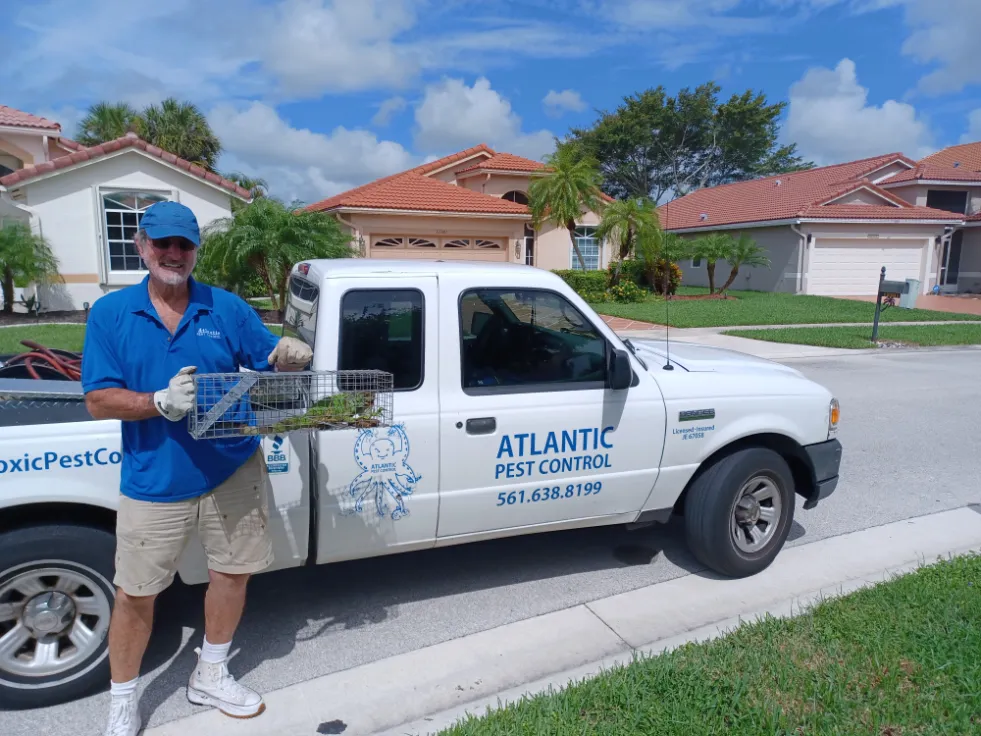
278, 456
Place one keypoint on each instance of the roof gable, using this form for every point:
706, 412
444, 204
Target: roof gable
130, 141
964, 156
931, 172
19, 119
504, 162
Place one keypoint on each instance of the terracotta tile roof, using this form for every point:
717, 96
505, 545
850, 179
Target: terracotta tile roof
785, 197
967, 155
128, 141
412, 191
458, 156
19, 119
976, 217
505, 162
876, 212
934, 173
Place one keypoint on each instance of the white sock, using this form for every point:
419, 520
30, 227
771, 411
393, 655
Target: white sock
123, 689
214, 653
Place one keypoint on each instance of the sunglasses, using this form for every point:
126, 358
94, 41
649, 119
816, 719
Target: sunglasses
183, 243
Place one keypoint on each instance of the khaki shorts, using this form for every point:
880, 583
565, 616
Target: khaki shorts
232, 523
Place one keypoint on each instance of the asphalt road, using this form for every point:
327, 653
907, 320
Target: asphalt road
910, 431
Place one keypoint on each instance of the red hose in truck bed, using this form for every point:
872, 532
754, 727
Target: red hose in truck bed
44, 363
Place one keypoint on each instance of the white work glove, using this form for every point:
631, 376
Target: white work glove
175, 401
290, 354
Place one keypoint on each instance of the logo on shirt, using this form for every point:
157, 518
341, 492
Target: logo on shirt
205, 332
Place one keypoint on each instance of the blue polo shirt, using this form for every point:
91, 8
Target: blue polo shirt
127, 346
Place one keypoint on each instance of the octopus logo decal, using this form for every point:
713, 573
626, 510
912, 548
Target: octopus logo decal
382, 455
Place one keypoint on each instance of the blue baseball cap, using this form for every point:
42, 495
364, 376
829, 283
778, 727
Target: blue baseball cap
166, 219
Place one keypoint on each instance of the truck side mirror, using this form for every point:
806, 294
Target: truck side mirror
621, 374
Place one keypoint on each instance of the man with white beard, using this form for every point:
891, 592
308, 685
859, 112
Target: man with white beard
142, 345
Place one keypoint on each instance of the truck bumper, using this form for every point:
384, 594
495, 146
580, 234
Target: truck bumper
825, 460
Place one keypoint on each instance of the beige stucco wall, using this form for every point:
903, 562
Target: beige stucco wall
969, 279
917, 194
25, 146
496, 185
554, 246
69, 213
889, 171
782, 245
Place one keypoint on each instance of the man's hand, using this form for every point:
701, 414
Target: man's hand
290, 354
175, 401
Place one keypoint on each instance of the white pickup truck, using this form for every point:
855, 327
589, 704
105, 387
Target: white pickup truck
516, 410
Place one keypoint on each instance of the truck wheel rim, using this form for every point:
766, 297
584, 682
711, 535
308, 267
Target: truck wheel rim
51, 620
756, 514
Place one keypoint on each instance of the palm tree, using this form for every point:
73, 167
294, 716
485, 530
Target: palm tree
175, 126
106, 121
257, 187
268, 238
569, 187
622, 221
25, 257
182, 129
713, 247
745, 252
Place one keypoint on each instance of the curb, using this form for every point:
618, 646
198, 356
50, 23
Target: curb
415, 689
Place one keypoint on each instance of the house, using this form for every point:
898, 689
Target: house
830, 230
87, 201
471, 205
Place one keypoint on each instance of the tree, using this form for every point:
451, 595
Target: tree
654, 144
24, 256
257, 187
175, 126
745, 252
267, 238
569, 187
182, 129
622, 220
712, 247
106, 121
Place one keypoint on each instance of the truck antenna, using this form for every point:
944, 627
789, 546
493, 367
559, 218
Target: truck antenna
667, 287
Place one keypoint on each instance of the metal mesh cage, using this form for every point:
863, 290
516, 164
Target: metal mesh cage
237, 404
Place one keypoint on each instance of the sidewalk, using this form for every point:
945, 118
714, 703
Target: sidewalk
423, 691
761, 348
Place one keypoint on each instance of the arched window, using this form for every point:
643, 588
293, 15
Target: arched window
516, 196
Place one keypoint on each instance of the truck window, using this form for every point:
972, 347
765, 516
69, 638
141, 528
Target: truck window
300, 316
528, 339
381, 329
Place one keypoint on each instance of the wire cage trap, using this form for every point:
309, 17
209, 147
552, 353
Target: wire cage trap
242, 404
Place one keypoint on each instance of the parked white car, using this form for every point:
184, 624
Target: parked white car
516, 410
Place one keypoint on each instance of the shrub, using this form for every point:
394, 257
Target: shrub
632, 270
626, 292
674, 280
583, 282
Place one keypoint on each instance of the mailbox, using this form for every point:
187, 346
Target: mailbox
893, 288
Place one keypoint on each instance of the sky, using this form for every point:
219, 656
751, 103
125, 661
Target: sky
318, 96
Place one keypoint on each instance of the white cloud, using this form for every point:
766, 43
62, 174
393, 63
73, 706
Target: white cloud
299, 163
945, 33
568, 100
973, 134
387, 109
831, 121
453, 116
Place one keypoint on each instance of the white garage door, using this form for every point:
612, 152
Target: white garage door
847, 267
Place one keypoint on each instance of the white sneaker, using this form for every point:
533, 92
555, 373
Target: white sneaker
124, 717
211, 684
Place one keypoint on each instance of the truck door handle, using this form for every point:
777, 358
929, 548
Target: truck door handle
484, 425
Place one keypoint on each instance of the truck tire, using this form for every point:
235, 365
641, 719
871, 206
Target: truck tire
739, 511
56, 598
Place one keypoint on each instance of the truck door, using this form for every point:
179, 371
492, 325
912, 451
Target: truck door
379, 488
529, 433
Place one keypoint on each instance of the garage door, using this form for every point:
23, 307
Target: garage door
846, 267
448, 248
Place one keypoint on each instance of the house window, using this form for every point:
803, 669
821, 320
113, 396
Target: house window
122, 212
589, 246
696, 262
516, 197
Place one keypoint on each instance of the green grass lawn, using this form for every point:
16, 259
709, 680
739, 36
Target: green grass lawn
859, 337
897, 659
765, 308
66, 337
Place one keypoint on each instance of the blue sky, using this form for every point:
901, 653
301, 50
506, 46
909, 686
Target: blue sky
317, 96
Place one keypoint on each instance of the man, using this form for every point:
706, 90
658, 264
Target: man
142, 345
